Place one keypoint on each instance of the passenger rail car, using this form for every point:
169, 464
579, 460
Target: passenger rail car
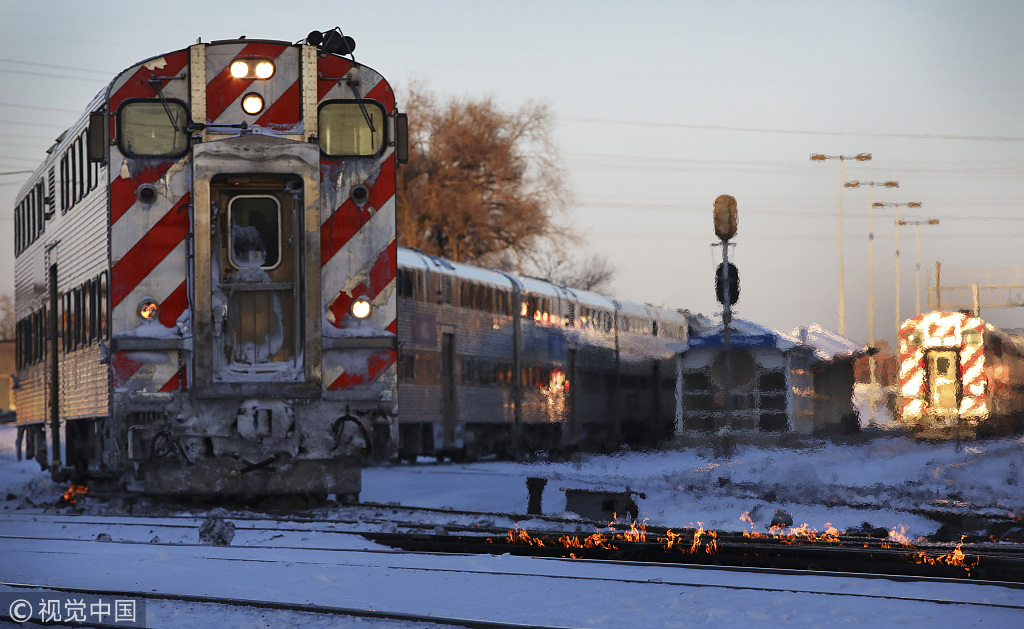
205, 268
494, 364
960, 377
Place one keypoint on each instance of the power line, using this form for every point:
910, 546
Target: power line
862, 134
37, 108
65, 77
55, 66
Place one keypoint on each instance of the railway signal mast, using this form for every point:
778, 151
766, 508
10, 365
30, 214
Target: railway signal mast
727, 291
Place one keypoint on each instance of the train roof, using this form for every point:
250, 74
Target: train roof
414, 258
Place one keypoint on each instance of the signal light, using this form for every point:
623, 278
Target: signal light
734, 285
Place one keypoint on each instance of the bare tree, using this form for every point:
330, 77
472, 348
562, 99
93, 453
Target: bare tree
6, 317
555, 263
593, 273
480, 180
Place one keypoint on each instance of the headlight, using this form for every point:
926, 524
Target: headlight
239, 69
361, 308
252, 104
252, 68
148, 309
264, 70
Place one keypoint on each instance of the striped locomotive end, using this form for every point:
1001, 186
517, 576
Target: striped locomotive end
358, 243
974, 403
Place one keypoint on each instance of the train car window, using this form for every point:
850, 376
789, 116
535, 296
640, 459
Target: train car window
404, 282
82, 187
351, 128
972, 338
66, 321
43, 345
255, 231
407, 367
446, 289
65, 175
17, 230
152, 128
40, 207
79, 309
104, 330
94, 314
72, 181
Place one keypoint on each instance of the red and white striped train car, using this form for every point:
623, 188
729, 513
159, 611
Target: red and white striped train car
205, 274
959, 376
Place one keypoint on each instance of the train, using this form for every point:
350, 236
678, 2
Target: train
493, 363
205, 267
960, 377
210, 298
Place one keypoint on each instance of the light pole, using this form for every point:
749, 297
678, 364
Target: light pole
871, 276
860, 157
917, 256
914, 204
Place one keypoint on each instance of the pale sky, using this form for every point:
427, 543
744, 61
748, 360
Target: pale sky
659, 108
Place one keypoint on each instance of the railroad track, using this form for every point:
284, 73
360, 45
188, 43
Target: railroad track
296, 614
1002, 563
278, 579
839, 553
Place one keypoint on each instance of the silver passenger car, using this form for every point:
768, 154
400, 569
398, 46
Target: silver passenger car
494, 364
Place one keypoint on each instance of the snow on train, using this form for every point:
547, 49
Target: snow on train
204, 274
960, 377
494, 364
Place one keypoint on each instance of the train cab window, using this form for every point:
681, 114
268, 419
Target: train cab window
351, 128
972, 338
152, 128
255, 231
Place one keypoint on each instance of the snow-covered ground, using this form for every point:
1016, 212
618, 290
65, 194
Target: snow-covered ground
888, 482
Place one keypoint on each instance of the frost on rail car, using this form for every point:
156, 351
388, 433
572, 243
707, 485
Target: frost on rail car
205, 272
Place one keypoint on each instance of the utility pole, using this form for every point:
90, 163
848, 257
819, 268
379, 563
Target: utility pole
871, 278
917, 257
912, 204
860, 157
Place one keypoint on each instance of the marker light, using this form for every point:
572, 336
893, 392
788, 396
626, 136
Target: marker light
264, 70
148, 309
239, 69
361, 308
252, 104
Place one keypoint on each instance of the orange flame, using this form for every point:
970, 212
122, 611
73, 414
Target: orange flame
707, 539
955, 558
898, 535
71, 494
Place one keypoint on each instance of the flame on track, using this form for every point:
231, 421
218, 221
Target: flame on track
702, 541
72, 493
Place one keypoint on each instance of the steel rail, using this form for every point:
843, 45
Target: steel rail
350, 612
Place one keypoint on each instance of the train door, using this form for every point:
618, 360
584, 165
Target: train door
448, 409
255, 290
256, 279
943, 381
